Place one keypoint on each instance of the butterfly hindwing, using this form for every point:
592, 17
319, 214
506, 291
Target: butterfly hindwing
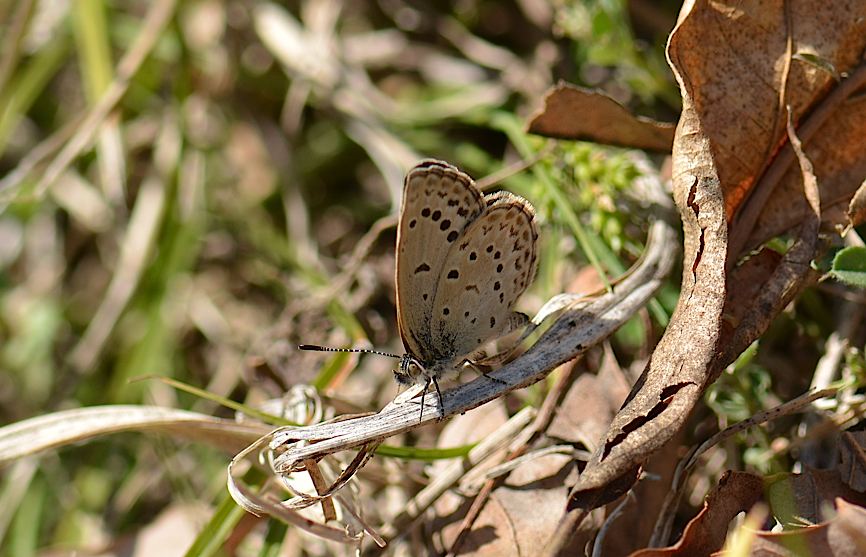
486, 270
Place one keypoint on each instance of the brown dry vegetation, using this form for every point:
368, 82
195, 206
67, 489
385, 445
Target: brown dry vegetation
189, 190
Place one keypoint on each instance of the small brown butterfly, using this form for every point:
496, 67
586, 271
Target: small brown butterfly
463, 260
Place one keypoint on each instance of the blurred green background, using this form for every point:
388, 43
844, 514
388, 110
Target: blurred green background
184, 184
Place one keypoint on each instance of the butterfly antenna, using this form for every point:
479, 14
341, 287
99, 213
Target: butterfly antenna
317, 348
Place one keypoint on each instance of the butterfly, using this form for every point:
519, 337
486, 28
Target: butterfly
462, 260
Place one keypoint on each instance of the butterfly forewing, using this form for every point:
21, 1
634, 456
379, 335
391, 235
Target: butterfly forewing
439, 202
485, 272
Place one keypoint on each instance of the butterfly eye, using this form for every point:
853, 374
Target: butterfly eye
413, 368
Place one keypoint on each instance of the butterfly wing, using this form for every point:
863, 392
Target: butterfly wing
439, 202
485, 272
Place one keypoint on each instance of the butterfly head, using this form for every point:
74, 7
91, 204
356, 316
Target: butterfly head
411, 371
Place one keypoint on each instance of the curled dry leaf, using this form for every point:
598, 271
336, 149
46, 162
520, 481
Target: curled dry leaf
785, 280
677, 371
572, 112
59, 429
737, 182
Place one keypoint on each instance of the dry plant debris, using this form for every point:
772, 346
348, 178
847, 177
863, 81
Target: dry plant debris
177, 213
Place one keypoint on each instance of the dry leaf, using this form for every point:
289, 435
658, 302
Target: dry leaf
852, 459
590, 404
706, 532
736, 68
520, 515
803, 499
572, 112
737, 72
63, 428
796, 500
857, 208
841, 536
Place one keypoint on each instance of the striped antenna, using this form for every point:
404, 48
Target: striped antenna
402, 376
317, 348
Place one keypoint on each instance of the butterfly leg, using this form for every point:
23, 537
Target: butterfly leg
480, 371
432, 379
439, 395
424, 394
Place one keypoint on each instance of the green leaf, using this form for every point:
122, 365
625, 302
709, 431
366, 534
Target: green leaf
217, 530
849, 266
415, 453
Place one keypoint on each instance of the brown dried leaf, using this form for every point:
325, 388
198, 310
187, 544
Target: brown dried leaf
795, 500
678, 370
706, 532
852, 459
802, 499
857, 208
520, 515
788, 278
738, 69
842, 536
590, 404
572, 112
736, 58
737, 75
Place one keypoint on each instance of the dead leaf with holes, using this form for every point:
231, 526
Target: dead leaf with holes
738, 182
